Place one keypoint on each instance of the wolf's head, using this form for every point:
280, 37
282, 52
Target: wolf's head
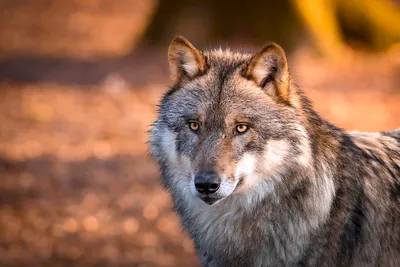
231, 123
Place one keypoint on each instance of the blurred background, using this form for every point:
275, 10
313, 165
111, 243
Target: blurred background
79, 81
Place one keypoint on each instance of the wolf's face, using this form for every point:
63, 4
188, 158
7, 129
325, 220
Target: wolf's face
229, 124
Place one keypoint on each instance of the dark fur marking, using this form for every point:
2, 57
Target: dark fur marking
351, 236
224, 72
253, 146
396, 191
239, 184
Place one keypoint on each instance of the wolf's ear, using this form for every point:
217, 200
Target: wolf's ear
269, 69
185, 61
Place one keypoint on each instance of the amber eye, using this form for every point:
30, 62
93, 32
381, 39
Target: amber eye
241, 128
194, 126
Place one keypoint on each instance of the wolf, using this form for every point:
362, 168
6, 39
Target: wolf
258, 178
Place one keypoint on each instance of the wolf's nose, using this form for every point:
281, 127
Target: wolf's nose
206, 182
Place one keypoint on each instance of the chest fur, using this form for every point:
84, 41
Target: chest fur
230, 236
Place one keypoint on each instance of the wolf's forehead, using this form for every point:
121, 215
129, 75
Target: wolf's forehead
222, 96
223, 56
222, 88
223, 63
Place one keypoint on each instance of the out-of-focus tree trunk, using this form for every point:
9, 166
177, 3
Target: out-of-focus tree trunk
334, 23
381, 18
320, 20
73, 28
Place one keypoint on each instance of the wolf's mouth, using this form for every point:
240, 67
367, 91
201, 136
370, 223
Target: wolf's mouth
239, 183
209, 200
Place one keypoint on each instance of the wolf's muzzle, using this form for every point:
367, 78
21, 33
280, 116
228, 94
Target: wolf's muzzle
207, 183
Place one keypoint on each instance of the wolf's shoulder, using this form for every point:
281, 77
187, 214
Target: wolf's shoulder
393, 133
381, 146
379, 153
377, 140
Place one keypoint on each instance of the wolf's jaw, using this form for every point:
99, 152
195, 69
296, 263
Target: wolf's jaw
210, 201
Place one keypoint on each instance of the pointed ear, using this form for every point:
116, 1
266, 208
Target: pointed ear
269, 69
185, 61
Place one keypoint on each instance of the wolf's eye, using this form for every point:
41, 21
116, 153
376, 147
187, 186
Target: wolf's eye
194, 126
241, 128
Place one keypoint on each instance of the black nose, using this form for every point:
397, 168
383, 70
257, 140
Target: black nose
207, 182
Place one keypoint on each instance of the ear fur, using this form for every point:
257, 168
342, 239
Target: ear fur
185, 61
269, 70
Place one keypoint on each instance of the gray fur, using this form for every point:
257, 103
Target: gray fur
298, 190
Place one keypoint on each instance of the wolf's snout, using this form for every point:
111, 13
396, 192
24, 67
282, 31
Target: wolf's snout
207, 182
